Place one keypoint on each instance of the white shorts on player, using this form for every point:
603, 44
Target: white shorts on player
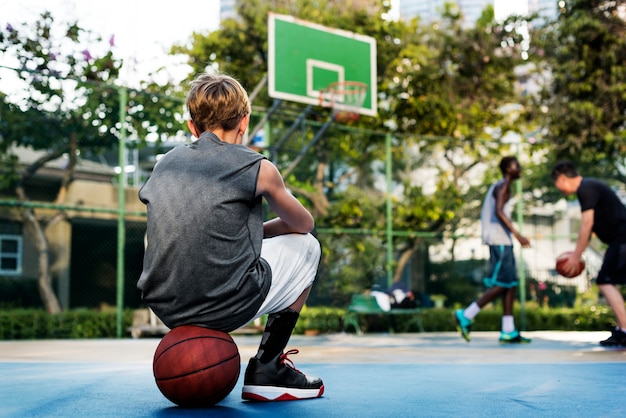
294, 259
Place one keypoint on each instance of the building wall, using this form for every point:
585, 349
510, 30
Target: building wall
430, 10
101, 195
102, 199
227, 9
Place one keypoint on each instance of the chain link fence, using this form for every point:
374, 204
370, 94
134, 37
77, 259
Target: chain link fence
83, 257
84, 246
81, 254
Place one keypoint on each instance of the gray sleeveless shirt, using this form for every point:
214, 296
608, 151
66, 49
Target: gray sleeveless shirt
493, 231
203, 262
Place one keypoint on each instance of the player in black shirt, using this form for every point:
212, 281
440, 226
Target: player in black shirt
604, 214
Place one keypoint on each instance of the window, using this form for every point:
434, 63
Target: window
10, 255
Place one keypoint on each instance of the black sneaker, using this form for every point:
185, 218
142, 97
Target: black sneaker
279, 380
617, 339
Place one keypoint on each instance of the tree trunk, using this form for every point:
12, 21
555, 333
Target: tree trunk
317, 197
404, 258
44, 281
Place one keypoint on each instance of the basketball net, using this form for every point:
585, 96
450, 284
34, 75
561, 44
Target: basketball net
345, 98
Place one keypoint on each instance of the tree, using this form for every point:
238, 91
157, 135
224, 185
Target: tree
338, 158
440, 88
68, 107
583, 104
446, 89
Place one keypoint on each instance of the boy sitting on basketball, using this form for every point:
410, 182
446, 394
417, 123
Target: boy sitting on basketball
210, 259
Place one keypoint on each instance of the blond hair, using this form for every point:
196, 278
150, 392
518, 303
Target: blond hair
217, 101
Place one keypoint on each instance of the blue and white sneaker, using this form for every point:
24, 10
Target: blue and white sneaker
463, 325
513, 338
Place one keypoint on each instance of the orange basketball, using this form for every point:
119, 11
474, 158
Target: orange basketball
560, 260
195, 366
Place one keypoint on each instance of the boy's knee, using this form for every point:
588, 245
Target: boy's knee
314, 246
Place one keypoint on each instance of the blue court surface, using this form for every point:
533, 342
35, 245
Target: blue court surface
560, 374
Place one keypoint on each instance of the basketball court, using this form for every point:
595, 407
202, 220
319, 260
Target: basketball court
560, 374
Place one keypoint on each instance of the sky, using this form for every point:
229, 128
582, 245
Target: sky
505, 8
143, 29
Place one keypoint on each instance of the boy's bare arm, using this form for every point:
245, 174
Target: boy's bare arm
502, 196
292, 216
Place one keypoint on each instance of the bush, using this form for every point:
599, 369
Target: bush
22, 324
28, 324
320, 319
582, 318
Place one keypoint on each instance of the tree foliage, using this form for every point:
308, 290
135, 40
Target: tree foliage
583, 106
61, 73
445, 91
69, 104
440, 86
67, 107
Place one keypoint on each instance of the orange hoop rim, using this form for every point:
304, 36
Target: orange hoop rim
345, 98
353, 93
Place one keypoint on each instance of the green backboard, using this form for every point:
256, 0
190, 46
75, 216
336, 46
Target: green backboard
305, 58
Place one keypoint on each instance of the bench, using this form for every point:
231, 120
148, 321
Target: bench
367, 305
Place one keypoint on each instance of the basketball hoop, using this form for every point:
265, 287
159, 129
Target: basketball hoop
345, 98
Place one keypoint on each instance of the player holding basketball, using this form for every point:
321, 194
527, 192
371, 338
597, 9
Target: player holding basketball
497, 229
210, 259
602, 212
